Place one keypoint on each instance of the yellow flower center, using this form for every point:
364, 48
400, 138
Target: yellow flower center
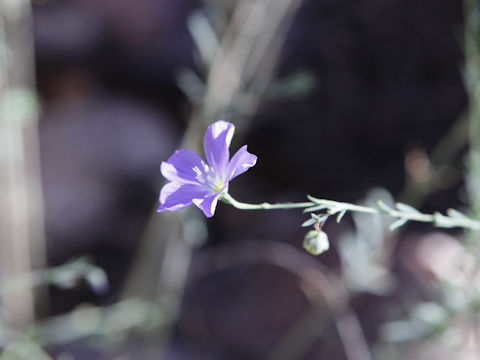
207, 177
217, 185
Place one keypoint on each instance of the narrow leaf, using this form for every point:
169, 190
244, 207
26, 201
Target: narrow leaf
335, 209
398, 223
406, 208
383, 206
341, 214
443, 221
315, 208
321, 218
309, 222
456, 214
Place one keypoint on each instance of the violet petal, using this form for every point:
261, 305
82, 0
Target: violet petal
241, 162
216, 143
175, 196
209, 203
179, 167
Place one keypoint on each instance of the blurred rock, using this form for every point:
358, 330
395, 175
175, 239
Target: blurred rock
100, 167
133, 47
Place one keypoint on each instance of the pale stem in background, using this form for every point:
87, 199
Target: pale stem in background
162, 264
472, 83
237, 48
21, 208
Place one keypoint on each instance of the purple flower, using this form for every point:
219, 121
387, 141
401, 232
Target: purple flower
193, 180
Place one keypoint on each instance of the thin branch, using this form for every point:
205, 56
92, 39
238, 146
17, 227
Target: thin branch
22, 245
403, 213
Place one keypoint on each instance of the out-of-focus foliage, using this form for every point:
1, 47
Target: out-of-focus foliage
338, 100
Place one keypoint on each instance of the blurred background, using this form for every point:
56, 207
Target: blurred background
348, 100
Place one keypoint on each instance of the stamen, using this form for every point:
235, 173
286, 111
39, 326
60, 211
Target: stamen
199, 176
217, 185
206, 167
208, 177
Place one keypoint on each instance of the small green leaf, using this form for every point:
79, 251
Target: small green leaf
309, 222
406, 208
341, 214
315, 208
335, 209
398, 223
321, 218
383, 206
456, 214
443, 221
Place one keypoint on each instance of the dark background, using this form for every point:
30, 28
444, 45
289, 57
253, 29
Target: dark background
386, 81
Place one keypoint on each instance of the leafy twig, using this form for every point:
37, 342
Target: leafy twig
402, 212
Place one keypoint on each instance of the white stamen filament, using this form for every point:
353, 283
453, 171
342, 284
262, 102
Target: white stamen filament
206, 167
199, 176
208, 177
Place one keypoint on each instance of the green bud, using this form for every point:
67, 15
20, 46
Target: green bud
316, 242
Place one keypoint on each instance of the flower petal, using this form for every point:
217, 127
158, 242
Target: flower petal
175, 196
241, 162
179, 167
216, 143
208, 204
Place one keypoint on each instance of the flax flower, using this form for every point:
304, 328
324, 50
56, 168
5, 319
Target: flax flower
192, 180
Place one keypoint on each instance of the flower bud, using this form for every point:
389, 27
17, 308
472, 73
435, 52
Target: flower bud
316, 242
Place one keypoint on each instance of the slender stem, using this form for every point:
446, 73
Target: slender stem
228, 199
340, 206
334, 207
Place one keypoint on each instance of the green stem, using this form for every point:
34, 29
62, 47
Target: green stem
334, 207
228, 199
340, 206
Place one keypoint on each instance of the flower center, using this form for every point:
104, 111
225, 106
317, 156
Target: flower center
207, 176
218, 185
